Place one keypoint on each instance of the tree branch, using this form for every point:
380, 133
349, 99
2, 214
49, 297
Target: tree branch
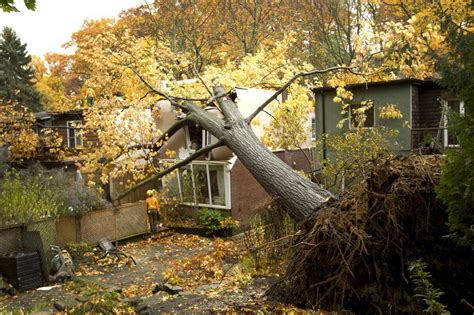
196, 72
156, 146
184, 162
171, 99
228, 107
287, 84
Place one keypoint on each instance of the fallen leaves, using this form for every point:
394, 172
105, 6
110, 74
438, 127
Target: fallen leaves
202, 268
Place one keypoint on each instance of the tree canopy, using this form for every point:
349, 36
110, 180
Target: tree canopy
168, 49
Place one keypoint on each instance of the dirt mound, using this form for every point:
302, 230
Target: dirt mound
353, 254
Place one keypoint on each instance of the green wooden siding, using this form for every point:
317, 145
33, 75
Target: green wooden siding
399, 95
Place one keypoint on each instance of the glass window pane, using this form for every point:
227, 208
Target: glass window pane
170, 184
200, 183
186, 181
365, 119
217, 183
71, 135
313, 128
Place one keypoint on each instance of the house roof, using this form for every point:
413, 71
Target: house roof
372, 84
49, 115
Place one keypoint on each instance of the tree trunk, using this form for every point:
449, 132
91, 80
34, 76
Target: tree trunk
297, 194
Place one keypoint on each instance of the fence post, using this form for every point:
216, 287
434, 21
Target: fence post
115, 223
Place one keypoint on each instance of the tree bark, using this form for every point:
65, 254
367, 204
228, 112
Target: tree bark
297, 194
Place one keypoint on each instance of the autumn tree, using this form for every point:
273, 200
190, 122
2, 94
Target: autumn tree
113, 57
456, 187
16, 74
59, 85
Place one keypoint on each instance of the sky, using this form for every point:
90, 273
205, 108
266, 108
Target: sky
53, 22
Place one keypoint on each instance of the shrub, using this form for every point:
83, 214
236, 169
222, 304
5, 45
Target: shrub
210, 219
34, 193
76, 198
352, 154
26, 197
424, 288
270, 225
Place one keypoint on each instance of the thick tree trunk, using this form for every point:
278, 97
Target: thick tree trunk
298, 195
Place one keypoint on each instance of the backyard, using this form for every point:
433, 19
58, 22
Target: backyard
236, 156
207, 273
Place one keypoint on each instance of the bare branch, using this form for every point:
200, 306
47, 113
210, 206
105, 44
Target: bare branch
196, 72
171, 99
287, 84
184, 162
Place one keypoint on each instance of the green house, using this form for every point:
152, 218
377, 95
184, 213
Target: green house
422, 104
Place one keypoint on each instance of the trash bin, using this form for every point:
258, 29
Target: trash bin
22, 270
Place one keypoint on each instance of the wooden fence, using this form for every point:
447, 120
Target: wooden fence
114, 223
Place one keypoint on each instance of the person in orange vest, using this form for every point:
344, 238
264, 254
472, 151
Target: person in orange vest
152, 208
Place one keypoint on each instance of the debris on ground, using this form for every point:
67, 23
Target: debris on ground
112, 287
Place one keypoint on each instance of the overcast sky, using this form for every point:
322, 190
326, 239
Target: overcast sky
53, 22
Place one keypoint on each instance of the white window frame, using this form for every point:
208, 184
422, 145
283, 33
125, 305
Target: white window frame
446, 133
227, 190
188, 140
207, 138
350, 116
71, 124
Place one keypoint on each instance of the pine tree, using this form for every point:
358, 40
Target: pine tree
16, 74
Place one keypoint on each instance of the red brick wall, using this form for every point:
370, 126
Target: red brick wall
247, 194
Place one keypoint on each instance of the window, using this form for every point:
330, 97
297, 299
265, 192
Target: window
207, 138
358, 112
204, 184
74, 135
193, 138
217, 185
313, 127
456, 107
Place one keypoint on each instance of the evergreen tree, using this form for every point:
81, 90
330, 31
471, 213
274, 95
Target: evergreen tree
16, 74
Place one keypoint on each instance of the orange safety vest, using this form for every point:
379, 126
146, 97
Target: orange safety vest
152, 203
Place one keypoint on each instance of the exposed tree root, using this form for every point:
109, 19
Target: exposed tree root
352, 254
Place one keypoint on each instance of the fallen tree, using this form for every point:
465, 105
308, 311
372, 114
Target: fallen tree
353, 253
299, 195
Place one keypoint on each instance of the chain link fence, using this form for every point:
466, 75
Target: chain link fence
35, 236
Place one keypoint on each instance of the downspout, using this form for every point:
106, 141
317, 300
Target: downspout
323, 112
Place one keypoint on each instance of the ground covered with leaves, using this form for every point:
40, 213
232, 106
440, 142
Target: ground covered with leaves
204, 275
